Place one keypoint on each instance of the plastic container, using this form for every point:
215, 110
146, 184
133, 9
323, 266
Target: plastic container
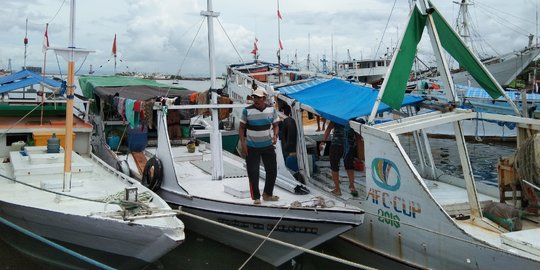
113, 141
186, 132
137, 139
40, 137
53, 144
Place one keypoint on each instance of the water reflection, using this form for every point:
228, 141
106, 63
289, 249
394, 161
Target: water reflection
484, 157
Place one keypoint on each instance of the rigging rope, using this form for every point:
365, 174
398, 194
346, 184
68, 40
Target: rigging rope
53, 244
384, 31
227, 35
187, 53
305, 250
267, 237
58, 11
22, 118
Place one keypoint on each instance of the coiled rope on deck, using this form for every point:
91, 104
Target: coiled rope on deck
526, 160
139, 207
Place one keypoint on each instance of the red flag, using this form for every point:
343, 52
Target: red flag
114, 46
279, 14
46, 38
255, 48
280, 45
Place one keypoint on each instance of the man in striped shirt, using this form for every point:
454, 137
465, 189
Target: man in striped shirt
258, 134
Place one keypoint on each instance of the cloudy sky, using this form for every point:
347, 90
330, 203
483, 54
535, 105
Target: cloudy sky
166, 36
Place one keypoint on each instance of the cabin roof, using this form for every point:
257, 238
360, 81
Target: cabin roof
25, 78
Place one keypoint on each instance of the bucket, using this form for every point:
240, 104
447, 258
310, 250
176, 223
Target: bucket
137, 139
186, 132
113, 141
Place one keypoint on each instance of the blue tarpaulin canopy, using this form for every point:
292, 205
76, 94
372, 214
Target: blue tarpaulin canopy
337, 100
25, 78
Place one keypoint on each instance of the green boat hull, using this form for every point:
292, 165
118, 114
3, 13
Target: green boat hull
23, 109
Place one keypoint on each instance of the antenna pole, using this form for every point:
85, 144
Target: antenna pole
25, 42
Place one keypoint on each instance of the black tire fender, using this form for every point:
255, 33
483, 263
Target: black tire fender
152, 174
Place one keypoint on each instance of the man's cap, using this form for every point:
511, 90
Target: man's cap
260, 92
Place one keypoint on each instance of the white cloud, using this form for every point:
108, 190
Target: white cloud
154, 36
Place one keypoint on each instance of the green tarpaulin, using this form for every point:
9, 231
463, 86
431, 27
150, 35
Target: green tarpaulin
397, 79
453, 44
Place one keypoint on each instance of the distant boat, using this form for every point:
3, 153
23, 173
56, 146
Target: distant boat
504, 68
369, 71
54, 191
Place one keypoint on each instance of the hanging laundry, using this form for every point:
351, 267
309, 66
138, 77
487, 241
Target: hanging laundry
147, 108
122, 108
131, 116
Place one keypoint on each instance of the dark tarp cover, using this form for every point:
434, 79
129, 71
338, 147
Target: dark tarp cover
337, 100
128, 87
24, 78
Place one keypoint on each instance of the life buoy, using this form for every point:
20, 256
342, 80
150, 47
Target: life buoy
152, 174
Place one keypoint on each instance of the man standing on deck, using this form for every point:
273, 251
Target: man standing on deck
258, 134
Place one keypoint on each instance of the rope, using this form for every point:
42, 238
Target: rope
54, 245
58, 11
187, 53
82, 63
384, 31
22, 118
227, 35
526, 162
264, 241
305, 250
139, 207
127, 206
121, 138
59, 68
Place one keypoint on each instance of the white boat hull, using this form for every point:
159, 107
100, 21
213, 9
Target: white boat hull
298, 227
505, 70
117, 245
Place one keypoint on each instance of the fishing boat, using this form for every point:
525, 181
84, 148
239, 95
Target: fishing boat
419, 214
61, 196
369, 71
505, 67
211, 183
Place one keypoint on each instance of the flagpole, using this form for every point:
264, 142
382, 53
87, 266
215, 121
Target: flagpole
279, 40
25, 42
45, 46
114, 53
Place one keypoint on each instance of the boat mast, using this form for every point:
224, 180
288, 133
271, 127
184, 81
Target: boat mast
217, 150
308, 51
463, 26
279, 40
69, 102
